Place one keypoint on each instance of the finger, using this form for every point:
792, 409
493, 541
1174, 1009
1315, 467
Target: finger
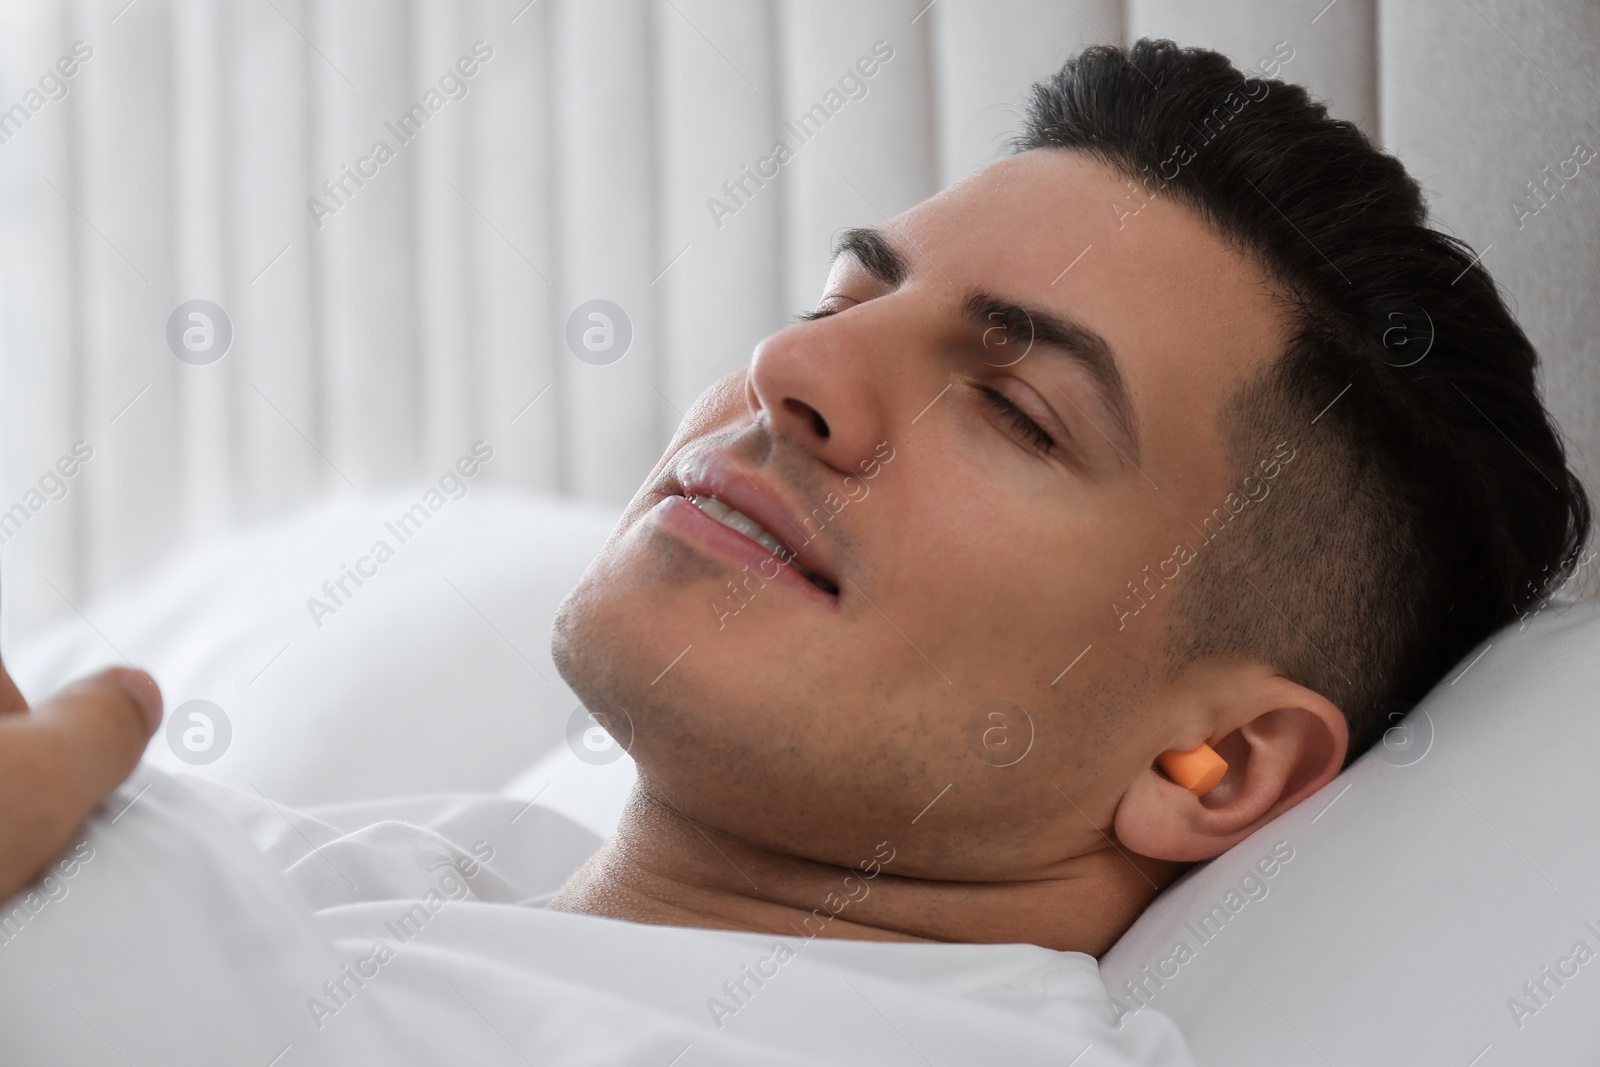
10, 695
60, 761
97, 728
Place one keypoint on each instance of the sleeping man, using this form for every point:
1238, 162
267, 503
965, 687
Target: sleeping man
1178, 427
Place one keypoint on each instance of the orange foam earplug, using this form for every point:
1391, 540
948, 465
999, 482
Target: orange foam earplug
1198, 770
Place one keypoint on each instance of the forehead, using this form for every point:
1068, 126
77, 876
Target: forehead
1188, 316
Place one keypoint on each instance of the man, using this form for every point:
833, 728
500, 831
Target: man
1176, 428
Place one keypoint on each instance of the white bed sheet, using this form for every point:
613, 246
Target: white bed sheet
208, 926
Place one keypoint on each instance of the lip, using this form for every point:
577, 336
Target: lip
709, 473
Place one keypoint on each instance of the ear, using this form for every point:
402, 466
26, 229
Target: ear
1282, 742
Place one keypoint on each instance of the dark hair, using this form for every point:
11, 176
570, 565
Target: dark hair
1427, 501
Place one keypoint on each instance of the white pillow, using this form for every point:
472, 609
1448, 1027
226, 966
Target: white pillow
1409, 900
433, 675
591, 788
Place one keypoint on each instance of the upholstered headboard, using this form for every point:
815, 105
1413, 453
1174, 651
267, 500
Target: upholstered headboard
380, 329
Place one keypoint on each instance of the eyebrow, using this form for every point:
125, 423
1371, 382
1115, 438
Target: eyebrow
872, 249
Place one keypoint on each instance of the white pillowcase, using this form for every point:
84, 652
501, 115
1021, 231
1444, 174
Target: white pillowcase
433, 675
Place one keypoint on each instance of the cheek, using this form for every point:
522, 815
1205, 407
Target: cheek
1026, 586
718, 406
723, 402
974, 544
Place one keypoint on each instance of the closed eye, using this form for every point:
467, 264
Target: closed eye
819, 313
1035, 435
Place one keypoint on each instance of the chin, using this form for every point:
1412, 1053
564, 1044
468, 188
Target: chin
566, 639
611, 634
589, 654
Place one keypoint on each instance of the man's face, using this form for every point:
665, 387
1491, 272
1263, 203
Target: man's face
1006, 413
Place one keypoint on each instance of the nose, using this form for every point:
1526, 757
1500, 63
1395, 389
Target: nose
822, 384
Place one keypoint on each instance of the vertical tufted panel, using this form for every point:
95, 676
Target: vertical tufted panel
122, 232
988, 52
605, 150
274, 287
42, 332
367, 252
876, 156
506, 181
722, 221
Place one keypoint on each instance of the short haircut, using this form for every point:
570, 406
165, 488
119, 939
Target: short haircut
1429, 501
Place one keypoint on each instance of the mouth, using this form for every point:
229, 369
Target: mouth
737, 521
741, 516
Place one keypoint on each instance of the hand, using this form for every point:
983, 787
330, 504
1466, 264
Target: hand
62, 758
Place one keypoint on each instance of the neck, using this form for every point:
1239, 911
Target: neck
663, 868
